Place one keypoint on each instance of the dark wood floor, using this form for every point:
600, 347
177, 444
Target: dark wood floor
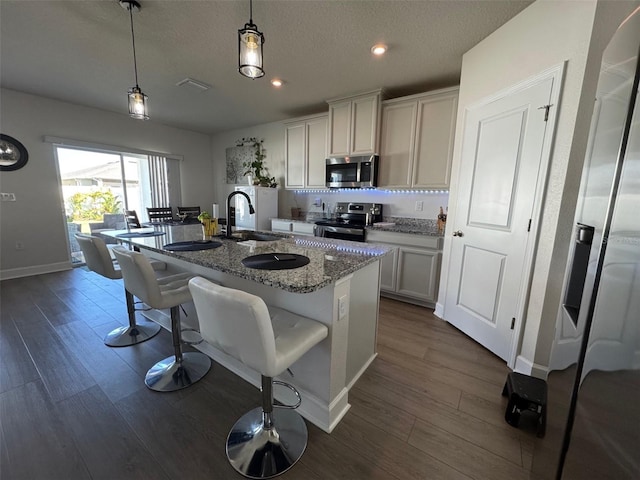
429, 407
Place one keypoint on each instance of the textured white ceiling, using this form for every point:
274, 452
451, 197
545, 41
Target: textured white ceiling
80, 52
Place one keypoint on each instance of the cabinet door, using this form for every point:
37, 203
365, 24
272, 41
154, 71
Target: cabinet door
388, 270
418, 273
316, 152
396, 149
294, 155
364, 125
339, 128
434, 142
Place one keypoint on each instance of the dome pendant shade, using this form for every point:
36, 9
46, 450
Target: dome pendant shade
138, 104
250, 41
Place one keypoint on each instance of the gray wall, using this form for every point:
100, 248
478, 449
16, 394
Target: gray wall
36, 219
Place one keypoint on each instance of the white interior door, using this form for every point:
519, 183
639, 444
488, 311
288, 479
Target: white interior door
502, 154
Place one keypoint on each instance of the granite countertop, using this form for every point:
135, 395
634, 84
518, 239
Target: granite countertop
416, 229
330, 260
415, 226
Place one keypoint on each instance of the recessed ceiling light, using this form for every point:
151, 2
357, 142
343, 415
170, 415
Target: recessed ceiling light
276, 82
379, 49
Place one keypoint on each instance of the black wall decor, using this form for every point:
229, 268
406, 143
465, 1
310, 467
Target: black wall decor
13, 155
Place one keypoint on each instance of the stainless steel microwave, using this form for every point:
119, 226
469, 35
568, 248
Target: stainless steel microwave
352, 172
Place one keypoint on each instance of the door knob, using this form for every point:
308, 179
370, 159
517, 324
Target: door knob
458, 233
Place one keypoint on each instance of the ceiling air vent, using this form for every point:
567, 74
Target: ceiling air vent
193, 84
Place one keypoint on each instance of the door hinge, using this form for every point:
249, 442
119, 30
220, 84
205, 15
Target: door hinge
529, 226
513, 323
546, 110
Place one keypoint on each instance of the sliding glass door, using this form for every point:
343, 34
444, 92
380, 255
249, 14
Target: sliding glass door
98, 186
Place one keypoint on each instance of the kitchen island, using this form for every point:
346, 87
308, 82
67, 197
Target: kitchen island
338, 287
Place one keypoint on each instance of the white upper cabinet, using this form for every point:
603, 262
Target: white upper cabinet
417, 140
354, 125
306, 152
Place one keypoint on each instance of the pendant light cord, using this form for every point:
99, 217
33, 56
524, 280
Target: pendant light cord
133, 40
251, 12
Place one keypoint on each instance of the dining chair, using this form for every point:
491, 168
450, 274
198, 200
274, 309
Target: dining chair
159, 214
131, 218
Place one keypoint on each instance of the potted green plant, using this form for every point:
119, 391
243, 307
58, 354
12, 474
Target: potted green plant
257, 167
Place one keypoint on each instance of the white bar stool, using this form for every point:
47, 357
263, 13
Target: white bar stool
98, 260
183, 369
264, 442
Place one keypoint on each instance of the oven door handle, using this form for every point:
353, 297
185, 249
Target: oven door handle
349, 231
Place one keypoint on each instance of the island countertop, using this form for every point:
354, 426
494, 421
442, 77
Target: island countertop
329, 259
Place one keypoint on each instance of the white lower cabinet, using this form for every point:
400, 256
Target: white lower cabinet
299, 228
412, 271
303, 228
280, 226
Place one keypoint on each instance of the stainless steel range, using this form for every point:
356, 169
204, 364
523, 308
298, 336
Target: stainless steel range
350, 221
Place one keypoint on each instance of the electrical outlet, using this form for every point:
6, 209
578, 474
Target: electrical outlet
343, 307
317, 202
19, 245
419, 205
12, 197
6, 197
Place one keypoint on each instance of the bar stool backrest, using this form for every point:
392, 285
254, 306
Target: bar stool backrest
139, 278
96, 256
236, 322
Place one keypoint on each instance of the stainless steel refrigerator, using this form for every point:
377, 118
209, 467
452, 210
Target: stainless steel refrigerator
593, 424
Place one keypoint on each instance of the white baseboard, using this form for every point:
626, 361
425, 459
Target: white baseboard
439, 311
361, 371
523, 365
527, 367
10, 273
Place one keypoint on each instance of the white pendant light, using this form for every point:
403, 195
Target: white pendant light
137, 100
250, 41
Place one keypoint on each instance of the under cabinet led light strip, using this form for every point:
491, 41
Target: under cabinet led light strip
372, 190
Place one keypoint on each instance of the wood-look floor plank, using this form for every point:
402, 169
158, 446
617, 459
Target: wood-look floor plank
17, 367
347, 462
421, 382
390, 454
389, 417
109, 446
403, 365
467, 457
174, 439
89, 311
62, 374
116, 378
39, 444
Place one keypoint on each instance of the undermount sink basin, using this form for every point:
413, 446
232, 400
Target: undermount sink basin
258, 237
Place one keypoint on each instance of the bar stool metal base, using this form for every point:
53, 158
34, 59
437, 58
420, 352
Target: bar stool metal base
256, 452
131, 335
168, 375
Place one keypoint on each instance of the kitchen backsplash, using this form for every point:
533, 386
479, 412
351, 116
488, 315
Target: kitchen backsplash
397, 205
